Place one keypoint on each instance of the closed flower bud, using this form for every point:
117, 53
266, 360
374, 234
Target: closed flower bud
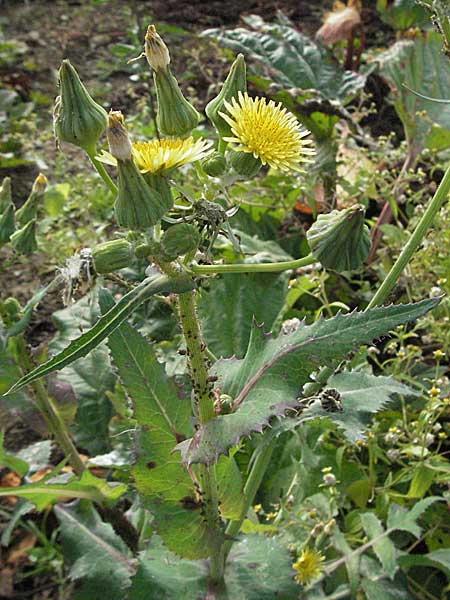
111, 256
138, 205
235, 82
78, 119
245, 164
156, 51
24, 240
340, 240
214, 165
7, 224
180, 240
28, 211
5, 194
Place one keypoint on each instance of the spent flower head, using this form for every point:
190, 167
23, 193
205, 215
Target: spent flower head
308, 566
268, 131
117, 134
156, 51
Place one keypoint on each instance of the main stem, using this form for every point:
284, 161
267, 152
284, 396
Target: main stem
102, 172
440, 196
203, 406
55, 424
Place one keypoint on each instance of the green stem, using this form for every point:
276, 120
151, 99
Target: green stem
414, 241
250, 489
203, 407
254, 268
102, 172
54, 422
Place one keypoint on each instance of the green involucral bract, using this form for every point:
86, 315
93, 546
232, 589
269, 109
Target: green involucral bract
235, 82
340, 240
244, 163
78, 119
215, 164
138, 205
179, 240
175, 116
111, 256
7, 224
24, 240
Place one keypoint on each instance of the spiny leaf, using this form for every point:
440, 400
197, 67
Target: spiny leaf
108, 323
164, 418
267, 381
88, 487
361, 395
98, 555
401, 518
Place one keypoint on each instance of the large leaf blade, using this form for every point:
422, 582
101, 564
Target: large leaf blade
267, 381
164, 419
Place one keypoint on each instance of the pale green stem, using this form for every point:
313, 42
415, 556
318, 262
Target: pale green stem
54, 422
254, 268
440, 196
102, 172
250, 489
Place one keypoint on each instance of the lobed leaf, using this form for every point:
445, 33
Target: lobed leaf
268, 379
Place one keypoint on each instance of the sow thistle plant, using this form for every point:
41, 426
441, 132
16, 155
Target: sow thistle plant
185, 472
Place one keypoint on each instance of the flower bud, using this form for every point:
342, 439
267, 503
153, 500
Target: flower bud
111, 256
214, 165
180, 240
329, 479
175, 115
245, 164
28, 211
5, 194
24, 240
7, 224
138, 205
156, 51
340, 240
235, 82
117, 134
77, 118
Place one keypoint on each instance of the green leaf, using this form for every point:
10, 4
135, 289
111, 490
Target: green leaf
22, 324
258, 568
415, 65
403, 14
405, 520
284, 56
385, 590
10, 461
422, 479
267, 381
228, 307
108, 323
98, 555
361, 395
439, 559
88, 487
91, 377
164, 418
382, 545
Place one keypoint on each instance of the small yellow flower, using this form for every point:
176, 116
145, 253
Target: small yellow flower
257, 508
442, 435
434, 391
271, 516
438, 354
308, 566
268, 131
169, 153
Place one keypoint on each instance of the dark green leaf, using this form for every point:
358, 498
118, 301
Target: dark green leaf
98, 555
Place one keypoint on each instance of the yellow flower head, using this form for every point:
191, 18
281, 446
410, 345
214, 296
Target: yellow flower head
169, 153
308, 566
268, 131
